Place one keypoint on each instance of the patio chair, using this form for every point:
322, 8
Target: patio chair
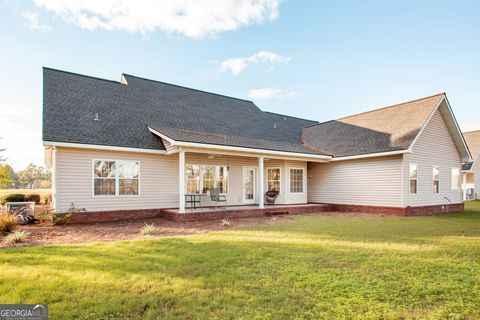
271, 196
216, 197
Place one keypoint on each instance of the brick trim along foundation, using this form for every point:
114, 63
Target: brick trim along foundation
400, 211
238, 212
111, 216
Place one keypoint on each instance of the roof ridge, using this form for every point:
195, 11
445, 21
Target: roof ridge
188, 88
318, 124
82, 75
391, 106
285, 115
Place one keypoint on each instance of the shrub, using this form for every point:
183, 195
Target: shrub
147, 229
13, 197
16, 237
64, 218
34, 197
8, 223
226, 222
45, 215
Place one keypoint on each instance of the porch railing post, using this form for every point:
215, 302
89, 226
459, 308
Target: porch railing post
181, 181
260, 182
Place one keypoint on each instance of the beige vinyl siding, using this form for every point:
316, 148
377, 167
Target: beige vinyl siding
158, 187
372, 181
434, 146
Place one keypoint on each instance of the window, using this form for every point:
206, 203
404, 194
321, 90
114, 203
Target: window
113, 178
273, 179
412, 177
202, 178
104, 178
127, 177
296, 180
436, 179
193, 179
455, 178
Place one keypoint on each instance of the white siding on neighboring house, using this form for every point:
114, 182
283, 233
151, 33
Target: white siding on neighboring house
74, 181
434, 146
476, 176
372, 182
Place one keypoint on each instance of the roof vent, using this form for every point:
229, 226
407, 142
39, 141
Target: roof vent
284, 118
96, 118
274, 126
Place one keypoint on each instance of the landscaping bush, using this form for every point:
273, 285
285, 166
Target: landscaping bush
147, 229
16, 237
13, 197
34, 197
8, 223
64, 218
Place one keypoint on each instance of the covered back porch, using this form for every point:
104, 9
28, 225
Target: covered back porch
241, 180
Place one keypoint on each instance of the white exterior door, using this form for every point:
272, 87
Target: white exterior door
249, 185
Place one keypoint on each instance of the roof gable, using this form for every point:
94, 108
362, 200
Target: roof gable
387, 129
473, 142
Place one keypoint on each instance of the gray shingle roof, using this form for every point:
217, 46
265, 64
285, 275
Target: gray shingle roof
127, 110
382, 130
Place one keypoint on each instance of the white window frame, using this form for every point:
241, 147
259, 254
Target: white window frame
433, 179
416, 180
201, 166
457, 185
117, 179
279, 180
290, 180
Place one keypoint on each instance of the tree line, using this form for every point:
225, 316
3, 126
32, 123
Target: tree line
32, 177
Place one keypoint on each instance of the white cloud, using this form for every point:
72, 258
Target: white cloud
237, 65
33, 21
192, 18
269, 93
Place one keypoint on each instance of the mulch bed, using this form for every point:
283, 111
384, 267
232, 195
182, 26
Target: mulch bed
45, 233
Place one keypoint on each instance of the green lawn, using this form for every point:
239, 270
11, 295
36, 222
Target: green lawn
316, 267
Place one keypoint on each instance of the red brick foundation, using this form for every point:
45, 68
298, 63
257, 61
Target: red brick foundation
431, 210
400, 211
238, 212
244, 213
110, 216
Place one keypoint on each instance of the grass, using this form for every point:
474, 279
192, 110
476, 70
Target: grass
315, 267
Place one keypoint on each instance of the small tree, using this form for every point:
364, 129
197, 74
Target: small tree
7, 176
34, 177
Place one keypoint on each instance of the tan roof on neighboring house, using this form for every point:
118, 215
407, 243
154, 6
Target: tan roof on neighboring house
473, 142
387, 129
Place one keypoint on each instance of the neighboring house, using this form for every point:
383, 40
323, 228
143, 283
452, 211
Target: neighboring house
471, 170
139, 145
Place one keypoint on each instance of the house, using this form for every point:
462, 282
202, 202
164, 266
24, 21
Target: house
471, 170
137, 146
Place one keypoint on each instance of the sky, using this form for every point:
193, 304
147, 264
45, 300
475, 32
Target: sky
319, 60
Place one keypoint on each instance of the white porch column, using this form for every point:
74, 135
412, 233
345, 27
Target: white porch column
181, 181
260, 182
464, 186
